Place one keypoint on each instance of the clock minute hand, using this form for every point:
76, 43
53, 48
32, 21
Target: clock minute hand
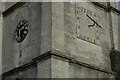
19, 32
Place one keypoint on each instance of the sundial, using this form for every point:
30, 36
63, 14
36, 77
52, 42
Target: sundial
94, 22
88, 27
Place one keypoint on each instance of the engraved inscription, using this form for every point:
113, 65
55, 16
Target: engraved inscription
87, 25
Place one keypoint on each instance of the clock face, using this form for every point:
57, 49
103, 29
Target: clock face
21, 31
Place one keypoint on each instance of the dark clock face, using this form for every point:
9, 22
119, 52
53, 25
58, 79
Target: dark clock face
21, 31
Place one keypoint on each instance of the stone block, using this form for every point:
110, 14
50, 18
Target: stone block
21, 53
44, 69
59, 68
1, 43
77, 71
58, 33
115, 23
90, 45
29, 72
46, 29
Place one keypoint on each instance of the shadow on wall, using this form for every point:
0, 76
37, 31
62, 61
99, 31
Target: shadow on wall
115, 64
115, 55
119, 32
118, 7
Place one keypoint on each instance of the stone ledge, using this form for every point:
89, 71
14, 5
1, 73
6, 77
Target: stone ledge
12, 8
19, 4
58, 55
107, 8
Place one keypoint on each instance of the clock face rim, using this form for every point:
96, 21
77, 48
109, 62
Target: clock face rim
20, 30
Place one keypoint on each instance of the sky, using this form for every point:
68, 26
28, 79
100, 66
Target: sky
118, 4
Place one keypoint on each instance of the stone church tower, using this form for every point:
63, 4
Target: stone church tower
59, 40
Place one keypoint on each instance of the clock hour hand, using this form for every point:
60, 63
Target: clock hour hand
19, 36
19, 33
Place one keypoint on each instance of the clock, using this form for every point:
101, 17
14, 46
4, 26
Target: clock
21, 31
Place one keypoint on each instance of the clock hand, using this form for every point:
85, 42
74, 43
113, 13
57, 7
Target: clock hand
21, 29
19, 33
19, 38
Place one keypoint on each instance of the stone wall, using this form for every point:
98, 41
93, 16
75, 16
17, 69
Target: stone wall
1, 27
65, 40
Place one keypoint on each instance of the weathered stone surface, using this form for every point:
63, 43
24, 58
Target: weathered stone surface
119, 25
59, 69
8, 5
30, 72
58, 32
44, 69
1, 27
2, 6
94, 51
0, 45
77, 71
78, 30
46, 29
30, 47
105, 3
115, 29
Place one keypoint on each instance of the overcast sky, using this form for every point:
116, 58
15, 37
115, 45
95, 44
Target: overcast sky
118, 3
